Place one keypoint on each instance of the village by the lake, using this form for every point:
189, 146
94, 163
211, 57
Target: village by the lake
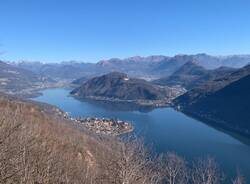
106, 126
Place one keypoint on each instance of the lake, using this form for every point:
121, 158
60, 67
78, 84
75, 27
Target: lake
166, 129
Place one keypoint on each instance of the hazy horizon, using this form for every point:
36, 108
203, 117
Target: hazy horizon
106, 59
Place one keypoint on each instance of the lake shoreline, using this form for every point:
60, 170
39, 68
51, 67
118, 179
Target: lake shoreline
166, 129
142, 103
151, 106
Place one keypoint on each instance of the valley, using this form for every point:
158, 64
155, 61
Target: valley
124, 92
118, 98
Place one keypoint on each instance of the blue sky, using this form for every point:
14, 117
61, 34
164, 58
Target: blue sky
60, 30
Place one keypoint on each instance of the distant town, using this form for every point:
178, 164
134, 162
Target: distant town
105, 126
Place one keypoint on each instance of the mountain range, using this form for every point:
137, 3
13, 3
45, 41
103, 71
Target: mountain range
14, 79
149, 68
61, 71
191, 75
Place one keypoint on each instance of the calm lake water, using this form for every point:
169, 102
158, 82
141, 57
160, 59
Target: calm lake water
166, 129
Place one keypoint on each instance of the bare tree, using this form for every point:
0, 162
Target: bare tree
173, 168
135, 164
239, 179
33, 151
206, 172
9, 149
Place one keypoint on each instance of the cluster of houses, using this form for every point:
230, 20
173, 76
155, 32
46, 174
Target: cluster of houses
106, 126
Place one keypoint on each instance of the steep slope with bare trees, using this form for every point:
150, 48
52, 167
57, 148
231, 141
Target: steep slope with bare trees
38, 146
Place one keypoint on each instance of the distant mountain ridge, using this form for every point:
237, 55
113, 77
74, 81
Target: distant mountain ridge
14, 79
149, 68
192, 75
65, 70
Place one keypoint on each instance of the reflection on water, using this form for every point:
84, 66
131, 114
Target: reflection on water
165, 128
119, 106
